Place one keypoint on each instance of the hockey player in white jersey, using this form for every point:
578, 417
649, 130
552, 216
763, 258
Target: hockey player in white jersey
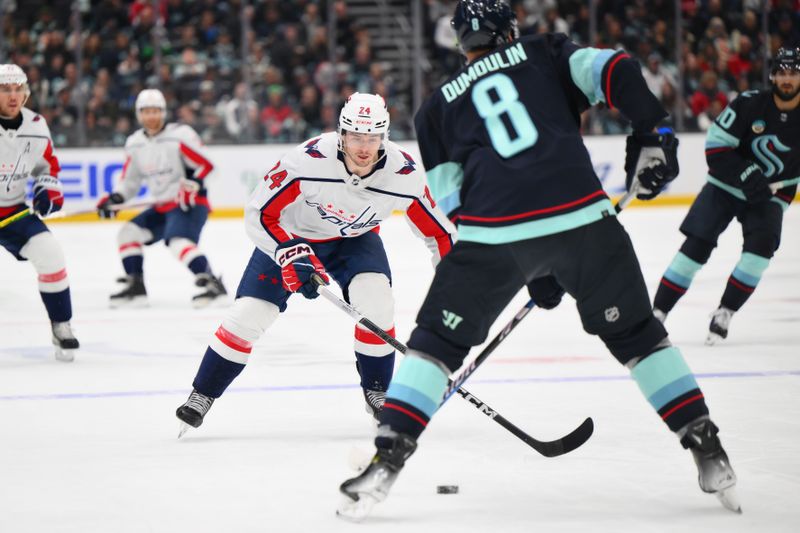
318, 211
26, 153
169, 158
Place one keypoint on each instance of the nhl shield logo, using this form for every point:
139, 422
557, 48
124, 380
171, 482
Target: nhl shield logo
759, 126
612, 314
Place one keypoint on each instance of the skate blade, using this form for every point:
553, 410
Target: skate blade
183, 428
729, 499
137, 302
356, 511
65, 356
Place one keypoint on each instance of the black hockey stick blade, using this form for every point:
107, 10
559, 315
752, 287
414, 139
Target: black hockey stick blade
565, 444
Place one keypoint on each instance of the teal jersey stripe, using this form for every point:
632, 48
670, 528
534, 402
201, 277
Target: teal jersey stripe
450, 203
718, 138
669, 392
445, 180
682, 270
659, 370
420, 383
784, 205
725, 187
586, 69
536, 228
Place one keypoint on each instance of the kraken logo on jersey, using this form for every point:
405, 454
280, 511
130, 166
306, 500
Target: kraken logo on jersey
763, 147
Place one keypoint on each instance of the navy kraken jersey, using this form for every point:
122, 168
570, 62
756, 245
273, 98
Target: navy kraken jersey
753, 130
501, 141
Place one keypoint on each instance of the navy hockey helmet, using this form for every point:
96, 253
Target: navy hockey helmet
483, 23
786, 59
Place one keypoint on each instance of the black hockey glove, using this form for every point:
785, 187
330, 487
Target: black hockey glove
755, 184
652, 159
106, 201
545, 292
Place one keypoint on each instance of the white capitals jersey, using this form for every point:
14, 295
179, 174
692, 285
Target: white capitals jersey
25, 153
309, 194
163, 160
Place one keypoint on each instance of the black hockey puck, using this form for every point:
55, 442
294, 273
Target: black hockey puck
447, 489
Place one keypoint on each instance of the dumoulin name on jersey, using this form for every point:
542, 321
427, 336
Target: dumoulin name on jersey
309, 194
501, 142
25, 153
750, 134
162, 161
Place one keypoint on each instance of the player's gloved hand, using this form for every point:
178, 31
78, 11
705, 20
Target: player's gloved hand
106, 201
755, 184
652, 159
298, 263
48, 195
187, 194
545, 292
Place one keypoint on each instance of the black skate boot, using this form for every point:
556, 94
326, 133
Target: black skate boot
718, 328
715, 474
374, 401
193, 411
362, 492
64, 341
213, 289
133, 295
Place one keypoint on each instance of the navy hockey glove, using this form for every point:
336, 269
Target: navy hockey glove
48, 195
298, 263
755, 184
652, 159
545, 292
106, 201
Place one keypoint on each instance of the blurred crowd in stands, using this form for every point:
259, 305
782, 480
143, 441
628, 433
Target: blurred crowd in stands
279, 88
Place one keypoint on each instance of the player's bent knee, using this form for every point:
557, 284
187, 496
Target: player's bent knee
638, 341
249, 317
437, 347
371, 294
44, 253
761, 244
132, 233
183, 249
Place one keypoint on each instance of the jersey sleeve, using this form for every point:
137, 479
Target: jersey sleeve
444, 176
725, 161
611, 77
197, 165
263, 213
48, 164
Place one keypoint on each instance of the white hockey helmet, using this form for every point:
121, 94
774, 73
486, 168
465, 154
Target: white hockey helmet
11, 74
150, 98
364, 113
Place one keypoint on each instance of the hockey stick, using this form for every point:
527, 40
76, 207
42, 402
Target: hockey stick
114, 207
778, 185
16, 216
548, 449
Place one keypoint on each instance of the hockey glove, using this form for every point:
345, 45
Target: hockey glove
298, 263
106, 201
545, 292
652, 159
755, 185
187, 194
48, 195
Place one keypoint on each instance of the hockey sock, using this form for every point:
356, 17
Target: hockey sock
743, 280
414, 395
215, 374
375, 372
675, 282
58, 304
133, 264
670, 387
199, 265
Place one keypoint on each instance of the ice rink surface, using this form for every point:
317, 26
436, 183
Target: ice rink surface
91, 446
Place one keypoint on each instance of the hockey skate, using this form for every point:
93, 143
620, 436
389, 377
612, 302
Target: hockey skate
64, 341
715, 474
660, 315
374, 401
192, 412
372, 486
213, 289
718, 328
133, 295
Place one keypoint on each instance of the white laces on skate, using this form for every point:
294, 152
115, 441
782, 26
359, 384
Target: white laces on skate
199, 403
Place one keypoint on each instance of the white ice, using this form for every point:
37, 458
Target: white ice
91, 446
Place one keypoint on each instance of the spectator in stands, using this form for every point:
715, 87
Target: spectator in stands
708, 94
656, 76
275, 114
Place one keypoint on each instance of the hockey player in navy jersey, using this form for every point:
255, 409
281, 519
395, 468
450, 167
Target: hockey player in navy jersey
501, 143
753, 154
26, 153
318, 211
169, 157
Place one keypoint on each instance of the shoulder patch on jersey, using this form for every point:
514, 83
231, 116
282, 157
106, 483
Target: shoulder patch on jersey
409, 166
759, 126
37, 118
312, 150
